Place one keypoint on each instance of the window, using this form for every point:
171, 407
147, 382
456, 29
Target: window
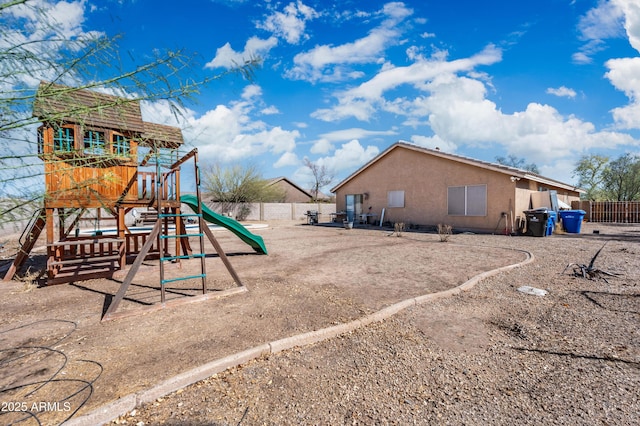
40, 140
94, 142
121, 145
395, 199
63, 139
470, 200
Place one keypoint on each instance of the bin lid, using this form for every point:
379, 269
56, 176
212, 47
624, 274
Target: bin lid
572, 212
538, 210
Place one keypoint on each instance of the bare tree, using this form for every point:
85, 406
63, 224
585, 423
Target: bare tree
519, 163
322, 176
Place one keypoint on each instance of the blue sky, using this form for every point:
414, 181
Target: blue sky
544, 80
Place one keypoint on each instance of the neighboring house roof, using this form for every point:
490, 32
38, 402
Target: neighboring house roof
319, 196
511, 171
273, 181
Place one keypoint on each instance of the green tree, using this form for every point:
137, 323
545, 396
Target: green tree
35, 47
235, 187
621, 178
590, 173
518, 163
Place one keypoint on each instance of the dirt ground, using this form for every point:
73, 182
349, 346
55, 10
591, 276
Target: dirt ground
58, 360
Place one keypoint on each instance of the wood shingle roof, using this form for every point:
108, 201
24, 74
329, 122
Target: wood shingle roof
55, 103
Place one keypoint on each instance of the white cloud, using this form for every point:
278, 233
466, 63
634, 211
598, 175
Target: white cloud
599, 23
362, 101
451, 98
349, 156
270, 110
326, 142
290, 24
251, 91
287, 159
587, 51
624, 72
229, 133
623, 75
42, 18
355, 133
434, 142
460, 114
162, 112
327, 63
322, 146
226, 57
562, 91
631, 11
45, 29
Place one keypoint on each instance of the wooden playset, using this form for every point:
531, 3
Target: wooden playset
101, 158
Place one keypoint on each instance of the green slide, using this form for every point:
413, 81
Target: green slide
255, 241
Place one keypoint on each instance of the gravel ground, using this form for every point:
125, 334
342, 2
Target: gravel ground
491, 355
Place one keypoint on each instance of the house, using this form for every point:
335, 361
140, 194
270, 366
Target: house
420, 186
293, 193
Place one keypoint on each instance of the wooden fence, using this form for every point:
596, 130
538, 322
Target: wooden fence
610, 211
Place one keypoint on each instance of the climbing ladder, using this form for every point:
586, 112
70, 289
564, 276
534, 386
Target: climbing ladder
27, 242
161, 235
180, 233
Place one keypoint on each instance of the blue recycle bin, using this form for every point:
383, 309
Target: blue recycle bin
551, 222
572, 220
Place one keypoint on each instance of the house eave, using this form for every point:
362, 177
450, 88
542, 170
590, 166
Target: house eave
506, 170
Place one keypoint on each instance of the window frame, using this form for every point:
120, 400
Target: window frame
470, 208
396, 199
64, 145
122, 147
94, 142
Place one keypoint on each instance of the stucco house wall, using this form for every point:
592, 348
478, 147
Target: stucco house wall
293, 193
425, 176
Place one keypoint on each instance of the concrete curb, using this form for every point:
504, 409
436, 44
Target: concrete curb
110, 411
200, 373
106, 413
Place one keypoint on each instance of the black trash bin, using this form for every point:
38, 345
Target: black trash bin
537, 222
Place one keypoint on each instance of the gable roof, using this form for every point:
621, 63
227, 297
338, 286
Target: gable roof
57, 103
507, 170
319, 196
273, 181
162, 135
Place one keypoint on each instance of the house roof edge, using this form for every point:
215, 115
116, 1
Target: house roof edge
512, 171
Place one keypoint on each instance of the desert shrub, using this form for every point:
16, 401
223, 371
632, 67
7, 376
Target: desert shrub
444, 231
242, 211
